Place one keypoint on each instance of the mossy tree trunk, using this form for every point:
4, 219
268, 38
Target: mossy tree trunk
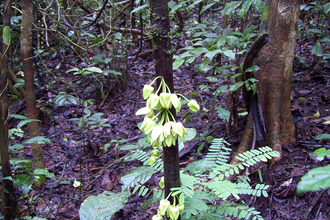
163, 66
26, 51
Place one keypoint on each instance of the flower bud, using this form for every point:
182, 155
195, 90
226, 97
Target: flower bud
155, 153
167, 129
143, 111
181, 130
163, 206
175, 102
181, 207
193, 106
165, 100
148, 125
173, 212
157, 217
162, 182
157, 132
152, 101
168, 141
151, 160
147, 90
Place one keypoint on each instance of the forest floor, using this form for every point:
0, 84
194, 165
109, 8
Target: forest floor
74, 155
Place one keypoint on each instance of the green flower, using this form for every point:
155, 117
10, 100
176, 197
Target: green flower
143, 111
193, 106
155, 153
157, 217
163, 206
165, 100
147, 90
175, 102
148, 125
162, 182
173, 212
181, 130
151, 160
153, 101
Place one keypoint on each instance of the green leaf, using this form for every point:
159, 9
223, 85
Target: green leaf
139, 9
18, 116
220, 90
230, 54
138, 175
259, 5
106, 72
236, 86
39, 139
94, 69
322, 136
230, 7
321, 153
103, 206
45, 173
316, 179
211, 54
223, 113
177, 63
22, 123
317, 50
245, 7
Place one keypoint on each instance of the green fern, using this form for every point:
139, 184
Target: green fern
238, 210
136, 177
218, 152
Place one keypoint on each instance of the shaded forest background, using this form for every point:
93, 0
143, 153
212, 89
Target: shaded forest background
88, 63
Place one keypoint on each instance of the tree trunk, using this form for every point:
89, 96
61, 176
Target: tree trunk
275, 75
275, 60
5, 61
163, 57
26, 51
8, 195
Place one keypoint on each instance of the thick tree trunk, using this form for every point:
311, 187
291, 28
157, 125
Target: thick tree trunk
275, 60
163, 57
275, 75
26, 51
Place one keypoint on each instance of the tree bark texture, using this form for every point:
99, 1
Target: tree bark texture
8, 195
26, 51
160, 29
5, 61
275, 75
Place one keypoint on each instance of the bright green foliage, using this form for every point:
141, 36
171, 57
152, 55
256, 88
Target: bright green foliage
317, 178
138, 175
102, 206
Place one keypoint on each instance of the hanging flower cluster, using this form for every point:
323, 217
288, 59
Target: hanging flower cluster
164, 131
172, 211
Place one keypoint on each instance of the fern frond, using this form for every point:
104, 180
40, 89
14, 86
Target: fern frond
252, 157
218, 152
196, 204
240, 211
139, 175
223, 189
137, 155
188, 184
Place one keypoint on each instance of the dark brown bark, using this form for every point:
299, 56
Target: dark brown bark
163, 57
5, 61
8, 195
26, 51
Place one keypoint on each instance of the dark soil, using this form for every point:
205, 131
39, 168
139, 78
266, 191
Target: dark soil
76, 155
